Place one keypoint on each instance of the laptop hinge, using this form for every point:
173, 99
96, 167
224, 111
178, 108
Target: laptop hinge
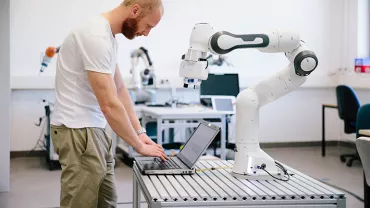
183, 162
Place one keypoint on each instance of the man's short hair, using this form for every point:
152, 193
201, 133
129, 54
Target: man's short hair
147, 5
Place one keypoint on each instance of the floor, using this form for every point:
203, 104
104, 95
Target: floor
34, 186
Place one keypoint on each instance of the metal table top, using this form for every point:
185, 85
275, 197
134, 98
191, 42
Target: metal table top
213, 185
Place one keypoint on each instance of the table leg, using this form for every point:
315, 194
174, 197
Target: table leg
366, 193
159, 130
136, 193
166, 133
223, 138
323, 144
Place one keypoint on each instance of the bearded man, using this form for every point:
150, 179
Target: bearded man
89, 94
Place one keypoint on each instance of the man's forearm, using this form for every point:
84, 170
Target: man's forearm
119, 121
125, 98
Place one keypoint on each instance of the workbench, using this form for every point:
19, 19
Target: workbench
214, 186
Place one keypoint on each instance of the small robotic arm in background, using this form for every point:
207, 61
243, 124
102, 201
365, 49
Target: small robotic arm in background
218, 62
251, 162
48, 56
144, 77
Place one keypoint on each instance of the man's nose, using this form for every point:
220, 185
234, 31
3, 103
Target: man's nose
146, 32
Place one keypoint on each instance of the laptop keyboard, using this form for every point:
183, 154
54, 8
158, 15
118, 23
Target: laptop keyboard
159, 165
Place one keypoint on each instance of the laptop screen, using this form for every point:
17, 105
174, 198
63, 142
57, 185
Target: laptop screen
198, 143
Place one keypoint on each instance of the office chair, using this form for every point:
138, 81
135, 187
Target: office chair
363, 146
348, 106
363, 119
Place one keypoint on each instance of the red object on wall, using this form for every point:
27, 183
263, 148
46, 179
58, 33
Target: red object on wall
362, 65
362, 69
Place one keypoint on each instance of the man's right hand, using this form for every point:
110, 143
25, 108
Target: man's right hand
152, 151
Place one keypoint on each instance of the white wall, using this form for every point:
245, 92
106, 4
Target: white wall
357, 41
47, 23
363, 35
325, 32
4, 96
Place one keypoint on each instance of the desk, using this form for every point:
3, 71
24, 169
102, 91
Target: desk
323, 144
218, 188
164, 115
365, 132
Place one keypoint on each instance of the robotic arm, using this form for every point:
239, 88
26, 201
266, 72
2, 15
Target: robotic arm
250, 161
141, 78
49, 54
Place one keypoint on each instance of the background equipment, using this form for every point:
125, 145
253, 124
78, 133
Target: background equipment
49, 54
142, 80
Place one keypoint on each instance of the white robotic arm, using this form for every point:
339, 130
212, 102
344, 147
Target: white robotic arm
141, 78
48, 56
250, 161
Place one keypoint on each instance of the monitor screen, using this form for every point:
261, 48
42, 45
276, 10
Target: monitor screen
220, 84
223, 104
197, 143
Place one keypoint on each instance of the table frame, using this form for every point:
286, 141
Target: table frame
300, 191
323, 142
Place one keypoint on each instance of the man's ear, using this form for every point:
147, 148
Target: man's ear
135, 10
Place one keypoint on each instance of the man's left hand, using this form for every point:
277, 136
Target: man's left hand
144, 138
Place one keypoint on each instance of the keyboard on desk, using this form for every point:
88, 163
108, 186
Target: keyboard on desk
159, 165
158, 105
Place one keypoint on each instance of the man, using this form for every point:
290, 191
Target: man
89, 93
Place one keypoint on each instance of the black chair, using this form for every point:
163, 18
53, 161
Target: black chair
348, 106
363, 122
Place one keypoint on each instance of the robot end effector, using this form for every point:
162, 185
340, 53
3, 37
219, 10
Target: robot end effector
194, 66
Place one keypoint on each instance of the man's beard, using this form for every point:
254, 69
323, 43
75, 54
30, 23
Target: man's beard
129, 28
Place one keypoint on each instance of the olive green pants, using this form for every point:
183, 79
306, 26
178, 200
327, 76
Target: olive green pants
87, 163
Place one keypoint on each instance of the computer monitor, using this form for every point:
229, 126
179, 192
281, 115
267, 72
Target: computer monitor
224, 104
220, 84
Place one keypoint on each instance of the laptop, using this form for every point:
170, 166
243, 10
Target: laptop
225, 104
184, 161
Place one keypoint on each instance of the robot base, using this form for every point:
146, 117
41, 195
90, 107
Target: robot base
255, 164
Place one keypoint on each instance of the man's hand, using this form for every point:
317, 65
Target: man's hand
153, 151
144, 138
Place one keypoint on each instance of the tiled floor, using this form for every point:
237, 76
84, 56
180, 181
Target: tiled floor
34, 186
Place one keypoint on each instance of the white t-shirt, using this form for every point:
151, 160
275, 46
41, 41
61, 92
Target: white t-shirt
91, 47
